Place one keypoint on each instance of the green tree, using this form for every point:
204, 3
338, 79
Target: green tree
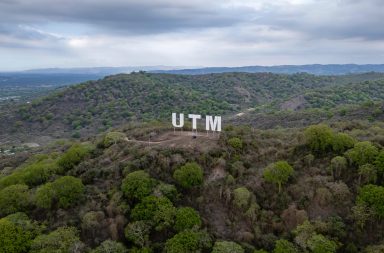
39, 172
138, 232
13, 237
188, 241
241, 197
284, 246
374, 249
44, 196
320, 244
278, 173
361, 213
159, 210
373, 196
342, 142
379, 162
141, 250
110, 246
167, 190
91, 223
303, 233
32, 174
73, 156
189, 175
319, 138
338, 165
66, 191
137, 185
14, 198
187, 218
227, 247
362, 153
367, 174
61, 240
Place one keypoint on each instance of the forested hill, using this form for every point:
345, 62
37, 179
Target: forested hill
143, 188
94, 106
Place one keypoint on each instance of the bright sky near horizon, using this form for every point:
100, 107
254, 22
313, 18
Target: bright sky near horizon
90, 33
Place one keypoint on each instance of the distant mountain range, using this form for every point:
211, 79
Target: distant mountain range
103, 70
316, 69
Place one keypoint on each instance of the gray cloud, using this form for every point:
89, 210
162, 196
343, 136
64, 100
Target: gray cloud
135, 17
322, 19
216, 32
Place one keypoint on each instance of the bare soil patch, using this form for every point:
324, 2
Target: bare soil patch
183, 139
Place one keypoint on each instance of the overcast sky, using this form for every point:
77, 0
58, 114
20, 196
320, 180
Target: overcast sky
89, 33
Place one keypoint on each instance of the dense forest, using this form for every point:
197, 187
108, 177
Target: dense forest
280, 178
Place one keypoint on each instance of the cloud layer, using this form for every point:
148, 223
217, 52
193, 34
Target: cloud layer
72, 33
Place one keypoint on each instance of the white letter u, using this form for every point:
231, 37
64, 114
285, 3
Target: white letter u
174, 123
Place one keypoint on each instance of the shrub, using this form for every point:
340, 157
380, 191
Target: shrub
235, 143
137, 185
66, 191
237, 169
188, 241
319, 138
63, 239
112, 138
278, 172
362, 153
14, 198
73, 156
227, 247
241, 197
110, 246
187, 218
189, 175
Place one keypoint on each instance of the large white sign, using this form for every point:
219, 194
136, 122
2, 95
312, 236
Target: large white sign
212, 123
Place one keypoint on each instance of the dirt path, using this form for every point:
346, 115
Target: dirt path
181, 139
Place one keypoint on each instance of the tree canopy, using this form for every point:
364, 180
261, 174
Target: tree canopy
278, 173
